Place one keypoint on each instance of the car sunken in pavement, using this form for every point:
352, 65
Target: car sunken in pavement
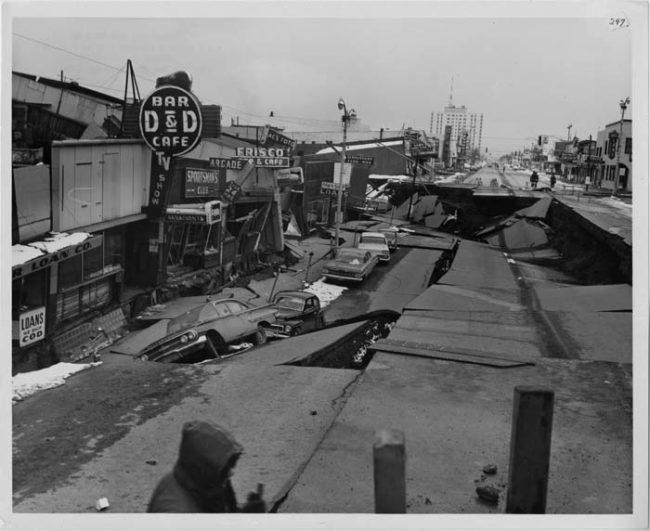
211, 327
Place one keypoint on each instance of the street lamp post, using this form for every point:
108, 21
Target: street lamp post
623, 105
347, 116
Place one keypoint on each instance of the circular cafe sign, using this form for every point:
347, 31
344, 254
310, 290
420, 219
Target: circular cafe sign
170, 121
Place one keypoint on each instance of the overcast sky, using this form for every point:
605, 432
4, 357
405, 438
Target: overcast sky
528, 76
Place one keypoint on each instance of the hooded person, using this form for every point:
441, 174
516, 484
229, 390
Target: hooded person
200, 480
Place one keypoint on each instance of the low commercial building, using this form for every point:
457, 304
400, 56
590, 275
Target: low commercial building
614, 144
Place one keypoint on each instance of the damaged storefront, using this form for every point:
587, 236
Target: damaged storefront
58, 281
222, 216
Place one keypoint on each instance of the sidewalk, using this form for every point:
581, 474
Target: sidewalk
612, 214
456, 415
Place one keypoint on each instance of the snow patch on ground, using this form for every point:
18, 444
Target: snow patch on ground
325, 292
615, 202
27, 383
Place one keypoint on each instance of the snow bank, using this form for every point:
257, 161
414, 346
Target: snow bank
325, 292
60, 240
27, 383
618, 204
21, 254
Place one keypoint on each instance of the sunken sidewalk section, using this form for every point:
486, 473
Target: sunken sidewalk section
445, 377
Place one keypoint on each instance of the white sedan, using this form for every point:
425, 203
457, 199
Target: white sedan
376, 243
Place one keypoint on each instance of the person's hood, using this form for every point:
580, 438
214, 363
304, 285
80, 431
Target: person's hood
206, 450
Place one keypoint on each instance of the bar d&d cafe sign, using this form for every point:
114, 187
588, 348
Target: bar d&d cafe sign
171, 125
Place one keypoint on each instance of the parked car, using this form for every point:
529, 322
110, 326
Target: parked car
211, 326
298, 312
391, 239
376, 243
350, 264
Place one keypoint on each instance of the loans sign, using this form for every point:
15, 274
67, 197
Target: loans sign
170, 121
31, 326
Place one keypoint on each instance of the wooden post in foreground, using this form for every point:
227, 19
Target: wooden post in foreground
389, 458
530, 450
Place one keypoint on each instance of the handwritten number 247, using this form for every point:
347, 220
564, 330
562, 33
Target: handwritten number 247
619, 22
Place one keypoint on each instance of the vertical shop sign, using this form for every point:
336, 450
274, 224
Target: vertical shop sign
171, 125
32, 326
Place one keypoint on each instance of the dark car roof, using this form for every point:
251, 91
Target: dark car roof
299, 294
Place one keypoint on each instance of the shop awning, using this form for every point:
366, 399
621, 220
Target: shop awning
207, 213
56, 248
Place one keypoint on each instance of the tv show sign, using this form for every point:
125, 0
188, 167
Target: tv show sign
170, 124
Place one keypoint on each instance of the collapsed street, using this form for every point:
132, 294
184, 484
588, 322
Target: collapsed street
113, 430
300, 274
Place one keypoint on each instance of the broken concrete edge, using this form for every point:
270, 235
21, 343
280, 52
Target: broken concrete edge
313, 356
498, 363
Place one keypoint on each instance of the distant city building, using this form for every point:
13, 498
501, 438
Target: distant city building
607, 149
460, 120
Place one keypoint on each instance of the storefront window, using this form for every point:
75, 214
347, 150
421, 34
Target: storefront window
74, 302
92, 263
113, 247
28, 292
70, 272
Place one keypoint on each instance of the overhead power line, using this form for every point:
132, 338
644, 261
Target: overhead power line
66, 51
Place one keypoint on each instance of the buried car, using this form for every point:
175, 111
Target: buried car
375, 242
298, 312
211, 327
350, 264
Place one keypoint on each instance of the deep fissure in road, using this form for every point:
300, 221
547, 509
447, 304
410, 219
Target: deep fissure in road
589, 254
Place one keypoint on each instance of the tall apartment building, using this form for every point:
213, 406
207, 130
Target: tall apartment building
460, 120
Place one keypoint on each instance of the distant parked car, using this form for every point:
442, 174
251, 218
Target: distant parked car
391, 239
376, 243
298, 312
211, 326
350, 264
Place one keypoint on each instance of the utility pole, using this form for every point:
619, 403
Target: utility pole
589, 164
347, 116
623, 105
415, 173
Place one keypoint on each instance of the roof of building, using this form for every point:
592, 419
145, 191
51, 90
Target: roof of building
72, 86
618, 122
